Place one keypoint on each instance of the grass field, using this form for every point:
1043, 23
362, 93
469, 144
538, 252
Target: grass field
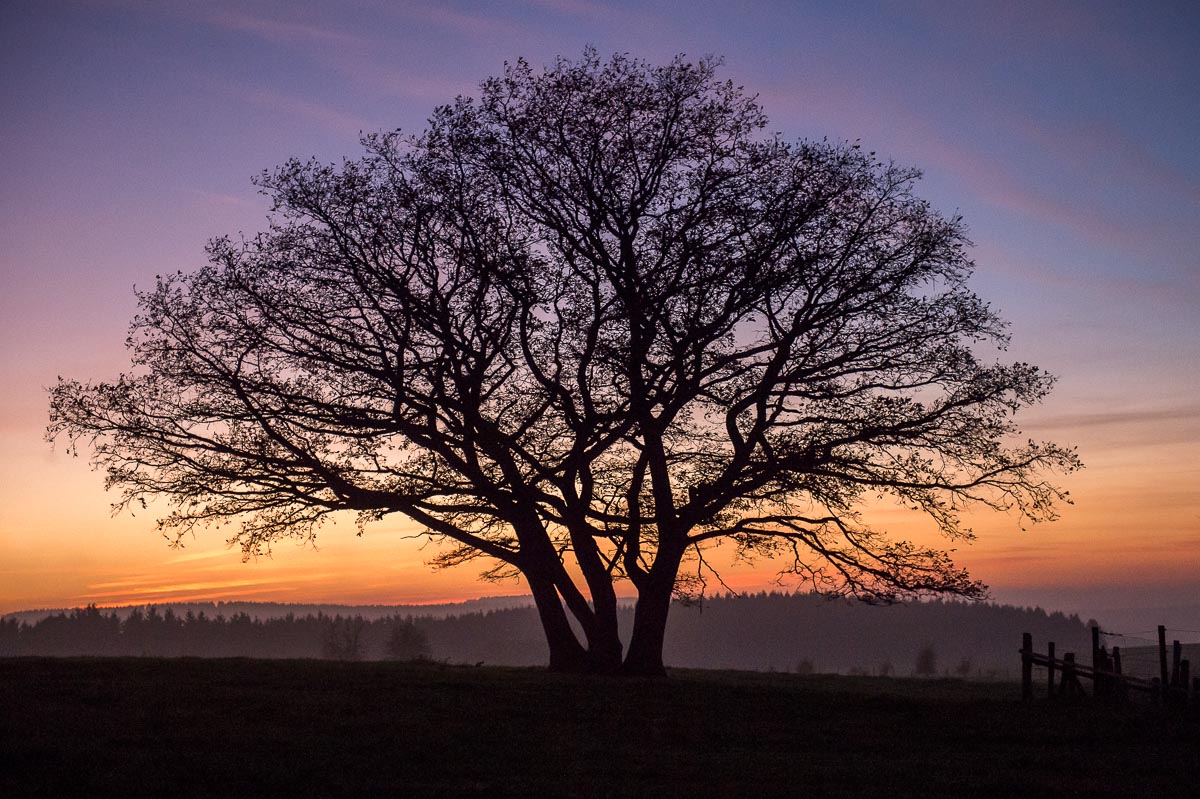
188, 727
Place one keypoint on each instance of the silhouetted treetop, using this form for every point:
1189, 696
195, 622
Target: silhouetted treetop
583, 327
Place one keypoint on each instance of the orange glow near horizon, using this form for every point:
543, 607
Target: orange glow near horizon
1104, 538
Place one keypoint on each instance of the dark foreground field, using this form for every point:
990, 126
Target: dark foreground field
150, 727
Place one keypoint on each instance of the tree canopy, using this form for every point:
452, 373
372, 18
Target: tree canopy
583, 328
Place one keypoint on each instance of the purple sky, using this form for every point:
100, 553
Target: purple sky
1065, 133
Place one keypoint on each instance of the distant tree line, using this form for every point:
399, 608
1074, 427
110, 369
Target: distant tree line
163, 633
804, 633
779, 631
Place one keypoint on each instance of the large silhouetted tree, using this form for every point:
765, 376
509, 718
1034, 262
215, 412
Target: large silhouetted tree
585, 327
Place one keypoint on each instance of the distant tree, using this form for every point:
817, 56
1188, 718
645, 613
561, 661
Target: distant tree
406, 641
344, 638
10, 637
95, 633
585, 328
926, 661
964, 667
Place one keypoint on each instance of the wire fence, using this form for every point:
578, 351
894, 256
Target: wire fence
1139, 649
1119, 663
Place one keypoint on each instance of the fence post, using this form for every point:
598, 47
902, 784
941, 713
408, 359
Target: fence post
1026, 666
1162, 657
1097, 680
1070, 683
1118, 679
1176, 657
1050, 669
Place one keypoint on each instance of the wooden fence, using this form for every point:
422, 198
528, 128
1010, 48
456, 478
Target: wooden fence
1173, 686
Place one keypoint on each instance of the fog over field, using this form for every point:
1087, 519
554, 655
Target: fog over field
802, 633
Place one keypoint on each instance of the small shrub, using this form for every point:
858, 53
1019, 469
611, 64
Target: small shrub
926, 661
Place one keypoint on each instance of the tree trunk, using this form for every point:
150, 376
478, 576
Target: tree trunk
650, 623
604, 642
566, 653
599, 621
649, 630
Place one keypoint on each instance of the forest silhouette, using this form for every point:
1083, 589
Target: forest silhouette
753, 632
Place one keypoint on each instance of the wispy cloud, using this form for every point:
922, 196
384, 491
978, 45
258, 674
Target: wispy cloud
1132, 416
329, 118
222, 200
183, 595
1113, 156
192, 557
992, 180
580, 8
434, 89
472, 24
477, 26
142, 587
1087, 177
1026, 29
277, 30
147, 588
998, 184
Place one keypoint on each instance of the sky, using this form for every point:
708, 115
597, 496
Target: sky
1064, 133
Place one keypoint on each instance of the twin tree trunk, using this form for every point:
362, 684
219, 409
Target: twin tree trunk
603, 656
603, 651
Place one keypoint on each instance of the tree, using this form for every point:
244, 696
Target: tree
585, 328
343, 638
926, 661
406, 641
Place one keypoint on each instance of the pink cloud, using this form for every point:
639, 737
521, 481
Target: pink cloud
475, 25
329, 118
1179, 424
1001, 186
884, 122
409, 83
1101, 148
889, 122
579, 8
1017, 28
282, 31
222, 200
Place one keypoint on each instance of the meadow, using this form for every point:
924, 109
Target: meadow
234, 727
